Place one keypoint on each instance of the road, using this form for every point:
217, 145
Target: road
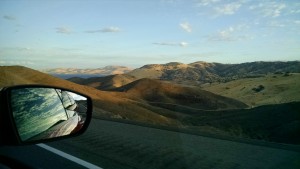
118, 145
33, 156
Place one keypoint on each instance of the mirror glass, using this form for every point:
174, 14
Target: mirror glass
43, 113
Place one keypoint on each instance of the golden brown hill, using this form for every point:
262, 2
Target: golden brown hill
275, 89
139, 101
203, 72
159, 92
108, 70
105, 83
106, 104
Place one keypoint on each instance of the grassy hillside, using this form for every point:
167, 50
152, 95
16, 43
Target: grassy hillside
275, 89
105, 83
162, 93
203, 72
277, 123
106, 104
165, 104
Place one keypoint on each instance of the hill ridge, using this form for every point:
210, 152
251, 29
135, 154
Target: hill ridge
157, 91
205, 72
279, 122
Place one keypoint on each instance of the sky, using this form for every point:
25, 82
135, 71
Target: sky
98, 33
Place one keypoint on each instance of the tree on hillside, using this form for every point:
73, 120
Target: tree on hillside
259, 88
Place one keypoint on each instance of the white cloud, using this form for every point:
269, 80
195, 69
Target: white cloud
13, 49
25, 49
254, 7
216, 8
184, 44
111, 29
172, 1
228, 9
295, 11
105, 30
275, 24
63, 30
297, 22
232, 33
225, 35
9, 17
186, 27
269, 9
206, 2
274, 10
181, 44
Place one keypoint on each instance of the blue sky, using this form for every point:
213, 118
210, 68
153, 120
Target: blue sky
97, 33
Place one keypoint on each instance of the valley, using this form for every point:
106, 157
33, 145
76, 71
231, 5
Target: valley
246, 101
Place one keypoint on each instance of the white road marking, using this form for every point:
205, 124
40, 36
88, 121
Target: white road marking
69, 157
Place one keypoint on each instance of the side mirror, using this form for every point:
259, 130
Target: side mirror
43, 113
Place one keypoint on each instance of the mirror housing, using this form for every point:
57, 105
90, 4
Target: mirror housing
31, 114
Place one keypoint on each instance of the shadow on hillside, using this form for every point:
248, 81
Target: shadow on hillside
275, 123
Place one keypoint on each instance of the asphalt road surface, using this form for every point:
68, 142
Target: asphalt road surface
33, 156
118, 145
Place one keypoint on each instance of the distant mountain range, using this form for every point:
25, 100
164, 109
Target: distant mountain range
66, 73
197, 72
203, 72
194, 73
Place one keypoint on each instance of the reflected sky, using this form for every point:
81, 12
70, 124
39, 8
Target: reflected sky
76, 96
35, 110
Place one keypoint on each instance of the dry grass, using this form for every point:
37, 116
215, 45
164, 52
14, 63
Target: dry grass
146, 73
135, 102
155, 91
278, 88
278, 123
113, 104
105, 83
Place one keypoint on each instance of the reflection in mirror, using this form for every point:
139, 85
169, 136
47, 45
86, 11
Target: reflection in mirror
43, 113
